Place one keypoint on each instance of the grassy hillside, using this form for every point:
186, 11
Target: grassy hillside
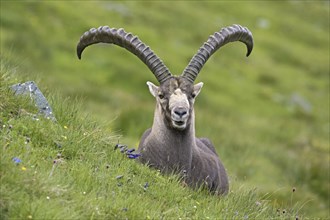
268, 114
71, 170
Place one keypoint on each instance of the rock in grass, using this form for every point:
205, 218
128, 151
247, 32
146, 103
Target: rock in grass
119, 177
31, 89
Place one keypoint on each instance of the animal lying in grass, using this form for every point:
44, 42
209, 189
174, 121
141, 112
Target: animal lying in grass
170, 144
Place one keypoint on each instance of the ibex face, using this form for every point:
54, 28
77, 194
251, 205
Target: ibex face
175, 99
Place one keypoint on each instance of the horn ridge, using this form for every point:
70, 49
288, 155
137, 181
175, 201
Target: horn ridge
216, 41
119, 37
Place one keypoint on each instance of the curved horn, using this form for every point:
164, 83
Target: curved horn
128, 41
215, 41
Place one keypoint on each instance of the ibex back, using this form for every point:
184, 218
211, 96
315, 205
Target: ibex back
170, 144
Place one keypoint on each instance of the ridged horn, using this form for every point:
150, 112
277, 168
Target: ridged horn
215, 41
105, 34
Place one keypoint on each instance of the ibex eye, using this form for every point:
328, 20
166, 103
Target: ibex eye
161, 96
193, 95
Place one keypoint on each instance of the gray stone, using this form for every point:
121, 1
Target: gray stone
31, 89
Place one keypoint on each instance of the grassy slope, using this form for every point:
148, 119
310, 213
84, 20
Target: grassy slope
246, 109
70, 170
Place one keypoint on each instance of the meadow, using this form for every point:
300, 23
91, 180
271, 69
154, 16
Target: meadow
267, 115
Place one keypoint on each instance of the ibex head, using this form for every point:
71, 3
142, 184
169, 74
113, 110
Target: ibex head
175, 98
176, 94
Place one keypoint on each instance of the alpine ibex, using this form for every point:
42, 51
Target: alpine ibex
170, 144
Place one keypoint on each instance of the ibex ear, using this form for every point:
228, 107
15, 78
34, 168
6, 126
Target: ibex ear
197, 89
153, 88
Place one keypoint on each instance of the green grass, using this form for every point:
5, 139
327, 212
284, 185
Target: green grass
69, 170
268, 142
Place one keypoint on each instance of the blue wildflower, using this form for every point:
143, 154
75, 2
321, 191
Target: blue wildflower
17, 160
130, 150
121, 146
146, 185
133, 156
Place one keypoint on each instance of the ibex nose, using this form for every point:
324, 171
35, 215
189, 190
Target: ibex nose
180, 112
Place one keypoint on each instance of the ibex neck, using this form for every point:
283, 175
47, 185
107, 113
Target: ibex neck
174, 147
